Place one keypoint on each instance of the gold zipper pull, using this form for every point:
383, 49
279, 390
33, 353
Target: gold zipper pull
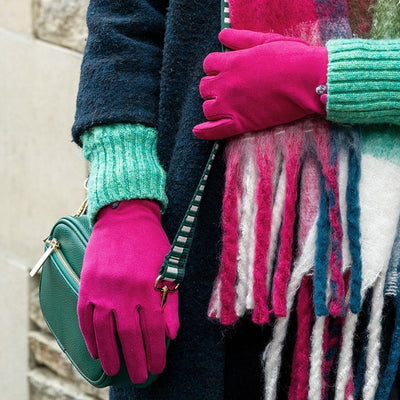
84, 205
164, 294
53, 243
82, 208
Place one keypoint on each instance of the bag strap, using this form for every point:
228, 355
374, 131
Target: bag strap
173, 267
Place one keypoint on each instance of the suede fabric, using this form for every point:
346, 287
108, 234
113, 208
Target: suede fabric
245, 89
117, 298
143, 64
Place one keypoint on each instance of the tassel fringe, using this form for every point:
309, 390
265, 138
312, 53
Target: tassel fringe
306, 236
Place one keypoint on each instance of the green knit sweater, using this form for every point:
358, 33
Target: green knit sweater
123, 165
364, 81
363, 87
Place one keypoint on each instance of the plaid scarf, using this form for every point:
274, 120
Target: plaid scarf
310, 217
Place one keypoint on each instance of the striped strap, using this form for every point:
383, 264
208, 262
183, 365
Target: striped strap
225, 20
173, 267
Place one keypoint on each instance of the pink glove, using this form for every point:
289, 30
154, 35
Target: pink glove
117, 297
270, 80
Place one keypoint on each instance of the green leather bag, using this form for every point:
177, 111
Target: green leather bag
61, 266
58, 296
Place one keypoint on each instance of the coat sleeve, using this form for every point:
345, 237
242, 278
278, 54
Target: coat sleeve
364, 81
120, 76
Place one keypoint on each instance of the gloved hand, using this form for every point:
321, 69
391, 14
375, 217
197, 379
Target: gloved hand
268, 80
117, 295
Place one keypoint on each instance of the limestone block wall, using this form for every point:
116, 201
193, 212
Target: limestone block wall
61, 22
41, 176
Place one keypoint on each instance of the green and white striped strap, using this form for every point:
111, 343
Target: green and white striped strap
225, 20
173, 267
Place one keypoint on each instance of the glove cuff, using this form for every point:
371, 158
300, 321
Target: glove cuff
123, 165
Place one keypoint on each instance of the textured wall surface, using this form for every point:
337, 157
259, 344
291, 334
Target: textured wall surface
42, 176
61, 22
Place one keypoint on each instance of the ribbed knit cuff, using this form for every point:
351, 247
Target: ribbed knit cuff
123, 165
363, 81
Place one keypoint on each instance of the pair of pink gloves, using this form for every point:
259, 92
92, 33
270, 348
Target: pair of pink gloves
268, 80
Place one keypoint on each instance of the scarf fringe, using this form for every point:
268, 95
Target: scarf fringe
302, 232
292, 243
263, 228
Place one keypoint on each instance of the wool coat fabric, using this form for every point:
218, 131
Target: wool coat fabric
142, 65
129, 43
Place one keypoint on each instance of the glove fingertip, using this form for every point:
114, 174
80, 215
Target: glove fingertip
201, 131
215, 130
138, 378
240, 39
172, 330
85, 318
225, 35
92, 349
111, 369
171, 316
212, 63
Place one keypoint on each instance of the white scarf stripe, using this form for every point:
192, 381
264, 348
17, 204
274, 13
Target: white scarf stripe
317, 354
374, 341
246, 210
273, 352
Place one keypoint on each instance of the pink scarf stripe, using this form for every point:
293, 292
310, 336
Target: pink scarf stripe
330, 173
230, 231
267, 16
266, 165
309, 199
337, 306
301, 356
292, 143
333, 345
349, 391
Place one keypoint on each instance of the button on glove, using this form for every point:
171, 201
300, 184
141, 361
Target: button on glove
117, 297
268, 80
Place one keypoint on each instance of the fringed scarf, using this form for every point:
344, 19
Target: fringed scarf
310, 215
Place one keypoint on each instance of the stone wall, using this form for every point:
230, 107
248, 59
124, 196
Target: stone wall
42, 176
61, 22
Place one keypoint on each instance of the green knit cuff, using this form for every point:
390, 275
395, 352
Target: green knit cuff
123, 165
363, 81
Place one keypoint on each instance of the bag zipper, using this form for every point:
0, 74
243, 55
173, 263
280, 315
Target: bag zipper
53, 243
67, 267
54, 247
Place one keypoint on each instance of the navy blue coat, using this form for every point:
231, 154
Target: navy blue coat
142, 64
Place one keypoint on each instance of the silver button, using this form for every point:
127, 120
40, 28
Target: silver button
114, 204
320, 89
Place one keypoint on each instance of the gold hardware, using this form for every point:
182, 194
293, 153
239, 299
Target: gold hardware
164, 295
84, 204
164, 290
67, 267
53, 243
82, 208
53, 246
